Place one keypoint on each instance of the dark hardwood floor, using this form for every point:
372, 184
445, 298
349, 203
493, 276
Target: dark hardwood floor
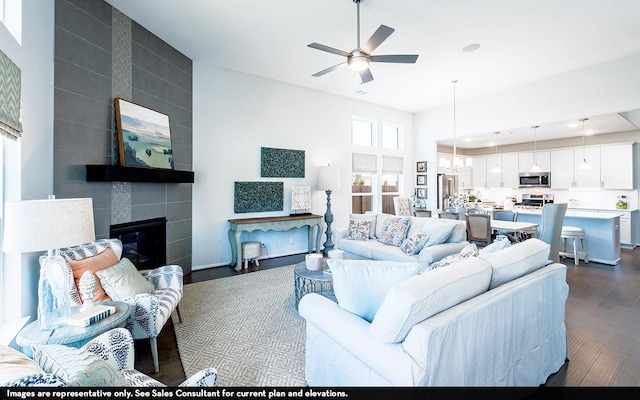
602, 317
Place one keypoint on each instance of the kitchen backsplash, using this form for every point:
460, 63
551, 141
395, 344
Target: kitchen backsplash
597, 199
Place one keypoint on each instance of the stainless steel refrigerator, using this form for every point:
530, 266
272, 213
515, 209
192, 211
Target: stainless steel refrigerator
447, 187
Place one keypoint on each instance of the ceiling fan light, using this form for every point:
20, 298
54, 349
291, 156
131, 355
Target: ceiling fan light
358, 62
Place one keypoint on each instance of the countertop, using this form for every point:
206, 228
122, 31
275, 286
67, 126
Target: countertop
576, 213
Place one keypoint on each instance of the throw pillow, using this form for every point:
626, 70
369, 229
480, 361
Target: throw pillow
77, 367
100, 261
419, 297
439, 231
412, 245
470, 250
123, 280
366, 217
495, 246
359, 230
394, 231
361, 285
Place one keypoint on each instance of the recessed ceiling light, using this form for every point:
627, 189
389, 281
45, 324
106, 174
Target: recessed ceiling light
361, 92
471, 47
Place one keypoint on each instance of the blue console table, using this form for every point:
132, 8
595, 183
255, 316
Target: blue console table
283, 223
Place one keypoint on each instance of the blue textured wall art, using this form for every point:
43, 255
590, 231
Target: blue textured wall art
281, 163
258, 197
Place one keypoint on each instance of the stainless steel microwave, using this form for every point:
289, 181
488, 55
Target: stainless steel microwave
535, 179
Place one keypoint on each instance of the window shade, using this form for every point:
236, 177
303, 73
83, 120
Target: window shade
365, 163
10, 125
391, 165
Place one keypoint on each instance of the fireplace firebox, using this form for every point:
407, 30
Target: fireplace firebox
144, 242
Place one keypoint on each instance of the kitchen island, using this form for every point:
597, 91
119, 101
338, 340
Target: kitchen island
602, 230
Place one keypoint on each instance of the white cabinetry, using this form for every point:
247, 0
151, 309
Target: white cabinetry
525, 161
494, 179
565, 171
617, 166
627, 226
464, 178
562, 164
479, 172
510, 177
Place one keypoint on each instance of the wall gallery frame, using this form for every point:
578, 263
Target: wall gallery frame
144, 136
421, 193
421, 166
421, 180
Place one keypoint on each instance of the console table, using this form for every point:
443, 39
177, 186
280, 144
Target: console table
284, 223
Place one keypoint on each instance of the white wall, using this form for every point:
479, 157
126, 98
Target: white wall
32, 156
234, 115
601, 89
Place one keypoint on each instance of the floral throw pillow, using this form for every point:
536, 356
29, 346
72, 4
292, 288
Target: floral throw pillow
471, 250
394, 231
359, 230
412, 245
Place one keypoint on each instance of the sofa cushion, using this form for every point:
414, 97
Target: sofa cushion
366, 217
123, 280
438, 231
470, 250
413, 244
358, 230
459, 232
394, 231
360, 286
421, 296
14, 365
78, 367
380, 220
361, 248
392, 253
516, 260
416, 225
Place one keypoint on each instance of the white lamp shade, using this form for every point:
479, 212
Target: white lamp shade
38, 225
328, 178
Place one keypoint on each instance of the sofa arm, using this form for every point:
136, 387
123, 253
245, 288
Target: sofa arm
339, 234
350, 334
437, 252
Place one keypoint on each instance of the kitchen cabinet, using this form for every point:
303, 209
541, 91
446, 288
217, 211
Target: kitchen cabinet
525, 161
627, 224
565, 171
507, 177
464, 178
617, 166
479, 172
493, 178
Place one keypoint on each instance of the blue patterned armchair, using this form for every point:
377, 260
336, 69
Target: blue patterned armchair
152, 310
107, 360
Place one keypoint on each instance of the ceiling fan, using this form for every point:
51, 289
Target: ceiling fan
360, 58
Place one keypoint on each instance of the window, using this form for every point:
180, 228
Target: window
376, 172
363, 133
11, 17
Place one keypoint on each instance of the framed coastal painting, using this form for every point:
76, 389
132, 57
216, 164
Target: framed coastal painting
421, 167
421, 193
421, 180
144, 136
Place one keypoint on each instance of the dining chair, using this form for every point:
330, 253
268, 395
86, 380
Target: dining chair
479, 229
403, 206
550, 228
449, 215
507, 215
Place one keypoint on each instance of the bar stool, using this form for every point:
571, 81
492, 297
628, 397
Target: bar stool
576, 234
250, 252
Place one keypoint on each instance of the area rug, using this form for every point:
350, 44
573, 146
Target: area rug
246, 326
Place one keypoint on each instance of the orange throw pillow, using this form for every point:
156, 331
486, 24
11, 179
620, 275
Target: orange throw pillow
96, 263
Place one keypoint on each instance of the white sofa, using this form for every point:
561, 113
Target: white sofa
375, 250
492, 320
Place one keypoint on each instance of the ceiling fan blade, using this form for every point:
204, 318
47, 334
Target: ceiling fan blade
395, 58
328, 49
379, 36
326, 71
366, 76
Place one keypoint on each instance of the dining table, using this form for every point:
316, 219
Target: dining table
515, 227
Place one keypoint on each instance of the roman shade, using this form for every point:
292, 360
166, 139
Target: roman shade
391, 165
365, 163
10, 125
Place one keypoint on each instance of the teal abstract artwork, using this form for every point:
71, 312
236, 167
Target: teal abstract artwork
281, 163
258, 197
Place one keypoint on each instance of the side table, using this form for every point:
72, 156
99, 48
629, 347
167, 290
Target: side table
307, 281
73, 336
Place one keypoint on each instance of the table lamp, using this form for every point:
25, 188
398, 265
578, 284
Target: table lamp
38, 225
328, 180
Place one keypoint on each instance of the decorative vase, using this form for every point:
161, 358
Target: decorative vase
314, 261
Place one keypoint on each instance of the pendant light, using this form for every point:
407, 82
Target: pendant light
496, 169
535, 167
457, 161
584, 165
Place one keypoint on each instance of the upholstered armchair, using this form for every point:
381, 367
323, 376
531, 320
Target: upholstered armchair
403, 205
150, 310
107, 360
